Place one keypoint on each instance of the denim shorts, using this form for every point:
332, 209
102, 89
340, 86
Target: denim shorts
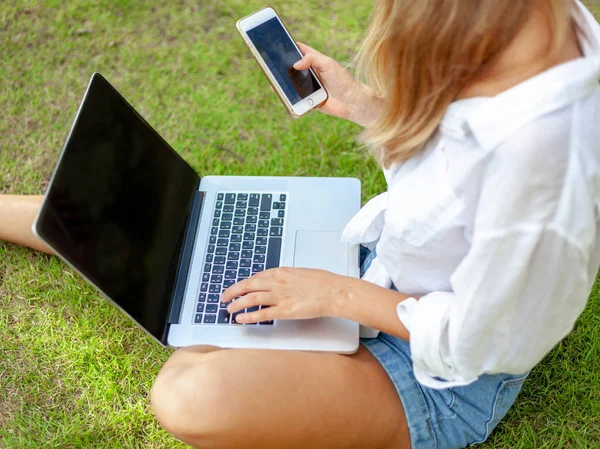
442, 419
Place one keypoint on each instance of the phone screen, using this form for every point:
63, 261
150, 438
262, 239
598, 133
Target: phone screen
279, 53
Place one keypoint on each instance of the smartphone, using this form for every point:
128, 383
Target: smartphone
276, 52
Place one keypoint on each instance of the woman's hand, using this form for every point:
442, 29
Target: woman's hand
348, 98
290, 293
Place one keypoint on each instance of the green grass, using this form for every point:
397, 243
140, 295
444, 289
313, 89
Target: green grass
74, 373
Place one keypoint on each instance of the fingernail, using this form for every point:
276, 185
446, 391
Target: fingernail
229, 308
296, 64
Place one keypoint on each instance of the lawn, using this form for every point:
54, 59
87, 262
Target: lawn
73, 372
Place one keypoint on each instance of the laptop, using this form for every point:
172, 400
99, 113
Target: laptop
162, 242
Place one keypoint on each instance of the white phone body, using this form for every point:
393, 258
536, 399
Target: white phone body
298, 104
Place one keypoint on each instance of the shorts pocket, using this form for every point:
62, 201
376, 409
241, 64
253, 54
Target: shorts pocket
505, 397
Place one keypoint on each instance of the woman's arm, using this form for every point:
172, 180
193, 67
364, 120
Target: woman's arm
301, 293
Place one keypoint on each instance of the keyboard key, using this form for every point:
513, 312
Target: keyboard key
230, 198
238, 221
260, 250
245, 272
232, 265
217, 213
227, 217
200, 308
245, 263
254, 200
250, 228
216, 278
252, 212
222, 242
259, 258
214, 230
251, 219
276, 222
240, 213
222, 305
281, 214
228, 283
204, 287
249, 236
198, 318
242, 196
237, 229
265, 201
263, 223
221, 250
219, 260
220, 197
224, 233
205, 277
265, 215
281, 205
275, 205
230, 274
246, 254
219, 205
274, 252
210, 249
225, 225
241, 204
228, 208
218, 269
236, 237
223, 317
210, 319
207, 267
202, 297
212, 308
214, 288
234, 247
261, 241
262, 232
248, 244
282, 197
212, 240
213, 298
276, 232
234, 255
216, 222
258, 267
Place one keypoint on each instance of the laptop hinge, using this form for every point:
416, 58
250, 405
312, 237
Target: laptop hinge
186, 257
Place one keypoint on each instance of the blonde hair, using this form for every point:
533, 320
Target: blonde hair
418, 55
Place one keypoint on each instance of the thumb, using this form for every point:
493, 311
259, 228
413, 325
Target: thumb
305, 63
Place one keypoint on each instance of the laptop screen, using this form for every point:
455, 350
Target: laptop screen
117, 206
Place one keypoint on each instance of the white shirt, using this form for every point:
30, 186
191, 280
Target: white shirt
495, 225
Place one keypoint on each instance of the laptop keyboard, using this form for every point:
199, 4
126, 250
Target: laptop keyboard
245, 239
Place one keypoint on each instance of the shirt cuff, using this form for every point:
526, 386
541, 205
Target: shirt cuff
426, 320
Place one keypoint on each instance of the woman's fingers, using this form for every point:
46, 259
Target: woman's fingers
256, 283
264, 314
312, 58
249, 300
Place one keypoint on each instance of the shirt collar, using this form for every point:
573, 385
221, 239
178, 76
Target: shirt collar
492, 119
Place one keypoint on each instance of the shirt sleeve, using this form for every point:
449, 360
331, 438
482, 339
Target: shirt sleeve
521, 286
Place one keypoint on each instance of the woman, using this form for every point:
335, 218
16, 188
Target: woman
477, 261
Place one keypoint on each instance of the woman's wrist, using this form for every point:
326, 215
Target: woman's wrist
365, 107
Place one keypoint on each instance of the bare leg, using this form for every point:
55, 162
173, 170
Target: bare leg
17, 213
239, 398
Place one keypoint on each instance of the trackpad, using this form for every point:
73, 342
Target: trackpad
322, 250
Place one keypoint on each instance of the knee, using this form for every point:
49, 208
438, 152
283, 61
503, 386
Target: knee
189, 401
